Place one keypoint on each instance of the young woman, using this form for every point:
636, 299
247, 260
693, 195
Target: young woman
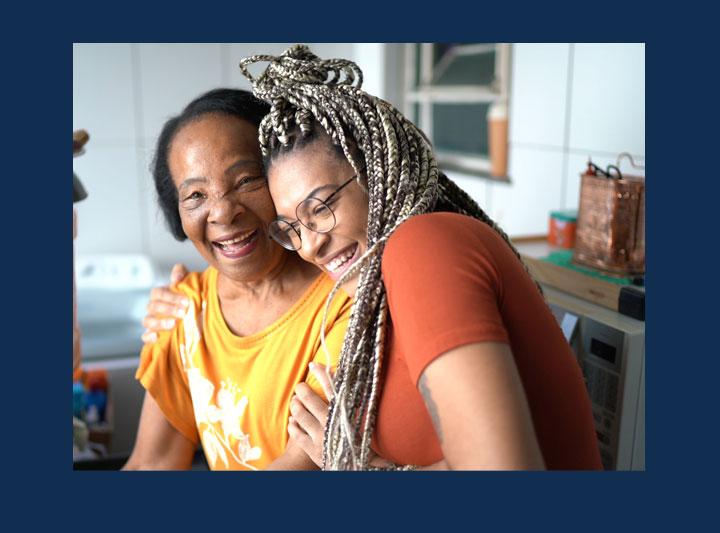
451, 355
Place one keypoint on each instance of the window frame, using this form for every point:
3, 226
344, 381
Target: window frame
427, 94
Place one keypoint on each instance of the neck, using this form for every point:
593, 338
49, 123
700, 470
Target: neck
289, 271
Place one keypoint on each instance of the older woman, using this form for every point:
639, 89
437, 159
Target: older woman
253, 318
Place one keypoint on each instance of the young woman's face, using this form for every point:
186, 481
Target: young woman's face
317, 171
223, 198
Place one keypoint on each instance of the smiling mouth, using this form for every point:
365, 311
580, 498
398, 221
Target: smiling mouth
236, 243
341, 261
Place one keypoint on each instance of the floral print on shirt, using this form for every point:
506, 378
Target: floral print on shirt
218, 416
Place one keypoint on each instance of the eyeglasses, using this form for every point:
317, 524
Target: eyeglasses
313, 213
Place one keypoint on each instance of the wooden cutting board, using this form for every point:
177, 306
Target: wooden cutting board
596, 290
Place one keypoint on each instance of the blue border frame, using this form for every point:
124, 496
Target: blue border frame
38, 256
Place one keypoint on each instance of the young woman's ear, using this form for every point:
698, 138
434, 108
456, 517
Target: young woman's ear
362, 181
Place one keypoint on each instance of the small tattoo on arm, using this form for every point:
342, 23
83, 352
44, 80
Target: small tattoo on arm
431, 407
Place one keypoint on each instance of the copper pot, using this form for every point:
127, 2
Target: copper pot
611, 222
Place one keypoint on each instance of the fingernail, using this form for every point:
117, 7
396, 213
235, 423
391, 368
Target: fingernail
186, 302
179, 313
168, 323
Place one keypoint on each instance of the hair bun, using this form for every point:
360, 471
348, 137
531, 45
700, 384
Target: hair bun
298, 65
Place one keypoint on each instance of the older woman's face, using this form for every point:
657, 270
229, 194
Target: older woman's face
223, 198
316, 171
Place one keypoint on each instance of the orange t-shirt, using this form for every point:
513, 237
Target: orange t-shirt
233, 393
451, 280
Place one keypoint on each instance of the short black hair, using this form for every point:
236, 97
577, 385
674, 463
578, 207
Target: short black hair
232, 102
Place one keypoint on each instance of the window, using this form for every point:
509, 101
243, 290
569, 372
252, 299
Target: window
450, 88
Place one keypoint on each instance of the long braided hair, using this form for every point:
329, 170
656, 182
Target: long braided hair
403, 180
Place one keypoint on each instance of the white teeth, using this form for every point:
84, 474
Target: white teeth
336, 263
233, 241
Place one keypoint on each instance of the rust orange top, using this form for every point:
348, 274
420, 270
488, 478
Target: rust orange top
451, 280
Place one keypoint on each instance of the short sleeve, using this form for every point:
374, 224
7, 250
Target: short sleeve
443, 287
160, 372
334, 340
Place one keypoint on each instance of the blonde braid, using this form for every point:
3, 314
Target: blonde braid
402, 181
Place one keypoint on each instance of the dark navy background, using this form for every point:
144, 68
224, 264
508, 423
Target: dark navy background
674, 491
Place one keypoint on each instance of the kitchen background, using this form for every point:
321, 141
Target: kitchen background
565, 102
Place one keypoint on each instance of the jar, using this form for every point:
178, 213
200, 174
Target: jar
562, 228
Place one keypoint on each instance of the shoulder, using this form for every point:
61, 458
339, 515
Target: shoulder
196, 284
341, 303
435, 236
438, 228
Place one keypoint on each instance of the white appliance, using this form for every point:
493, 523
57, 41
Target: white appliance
610, 348
112, 295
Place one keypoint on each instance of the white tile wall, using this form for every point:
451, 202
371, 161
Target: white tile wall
103, 100
539, 94
170, 75
370, 57
110, 218
522, 207
476, 188
608, 98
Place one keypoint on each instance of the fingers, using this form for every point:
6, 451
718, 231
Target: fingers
163, 310
297, 433
375, 460
306, 425
321, 374
160, 309
164, 303
165, 296
305, 442
307, 421
178, 273
311, 402
155, 325
149, 337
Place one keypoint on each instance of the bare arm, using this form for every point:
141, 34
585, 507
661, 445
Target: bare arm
159, 446
294, 458
478, 407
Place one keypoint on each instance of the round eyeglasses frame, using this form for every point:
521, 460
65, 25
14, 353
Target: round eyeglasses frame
313, 213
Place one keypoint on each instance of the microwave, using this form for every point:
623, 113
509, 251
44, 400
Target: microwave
610, 349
